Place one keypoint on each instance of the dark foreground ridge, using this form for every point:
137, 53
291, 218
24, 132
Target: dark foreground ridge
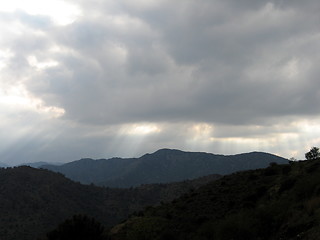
162, 166
34, 201
279, 202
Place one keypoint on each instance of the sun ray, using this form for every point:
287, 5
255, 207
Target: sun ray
61, 12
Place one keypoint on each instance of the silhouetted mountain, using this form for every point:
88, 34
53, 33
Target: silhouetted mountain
163, 166
279, 202
34, 201
39, 164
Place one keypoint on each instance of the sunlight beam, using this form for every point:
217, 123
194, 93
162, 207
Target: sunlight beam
61, 12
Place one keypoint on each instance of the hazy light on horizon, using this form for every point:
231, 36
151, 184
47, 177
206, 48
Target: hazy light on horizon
122, 78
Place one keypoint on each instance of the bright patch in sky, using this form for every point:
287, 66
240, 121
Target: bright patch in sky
5, 55
16, 97
143, 129
61, 12
33, 61
291, 69
200, 136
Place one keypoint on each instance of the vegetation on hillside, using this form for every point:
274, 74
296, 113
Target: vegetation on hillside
79, 227
279, 202
34, 201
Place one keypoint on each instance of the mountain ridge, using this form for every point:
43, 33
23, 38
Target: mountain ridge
164, 165
33, 201
3, 165
278, 202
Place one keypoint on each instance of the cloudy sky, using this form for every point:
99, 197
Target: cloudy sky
106, 78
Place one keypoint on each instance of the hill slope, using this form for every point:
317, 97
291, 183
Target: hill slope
163, 166
279, 202
33, 201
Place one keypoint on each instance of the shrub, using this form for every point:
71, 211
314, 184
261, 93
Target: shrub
80, 227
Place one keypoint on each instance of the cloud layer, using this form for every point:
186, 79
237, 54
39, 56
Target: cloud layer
106, 78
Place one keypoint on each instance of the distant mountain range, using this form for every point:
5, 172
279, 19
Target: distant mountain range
39, 164
2, 165
31, 164
162, 166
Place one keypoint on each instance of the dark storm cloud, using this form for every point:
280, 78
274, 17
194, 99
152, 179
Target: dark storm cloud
245, 68
231, 60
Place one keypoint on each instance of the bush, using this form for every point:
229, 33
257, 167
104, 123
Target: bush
80, 227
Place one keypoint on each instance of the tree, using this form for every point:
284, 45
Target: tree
80, 227
313, 154
293, 159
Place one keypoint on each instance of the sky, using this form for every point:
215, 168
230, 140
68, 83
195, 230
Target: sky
107, 78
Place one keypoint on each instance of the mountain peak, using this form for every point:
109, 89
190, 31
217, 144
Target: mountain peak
163, 166
167, 151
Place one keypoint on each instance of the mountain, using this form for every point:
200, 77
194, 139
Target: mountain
162, 166
38, 164
279, 202
3, 165
33, 201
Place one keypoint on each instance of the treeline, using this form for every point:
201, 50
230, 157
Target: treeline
34, 201
279, 202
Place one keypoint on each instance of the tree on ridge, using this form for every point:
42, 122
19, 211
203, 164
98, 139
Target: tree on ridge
313, 154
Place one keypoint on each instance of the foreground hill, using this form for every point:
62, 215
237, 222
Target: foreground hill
34, 201
279, 202
163, 166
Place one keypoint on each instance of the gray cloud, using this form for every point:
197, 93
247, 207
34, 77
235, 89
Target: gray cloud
242, 68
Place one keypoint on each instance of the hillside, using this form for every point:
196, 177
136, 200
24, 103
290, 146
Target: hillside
162, 166
279, 202
34, 201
